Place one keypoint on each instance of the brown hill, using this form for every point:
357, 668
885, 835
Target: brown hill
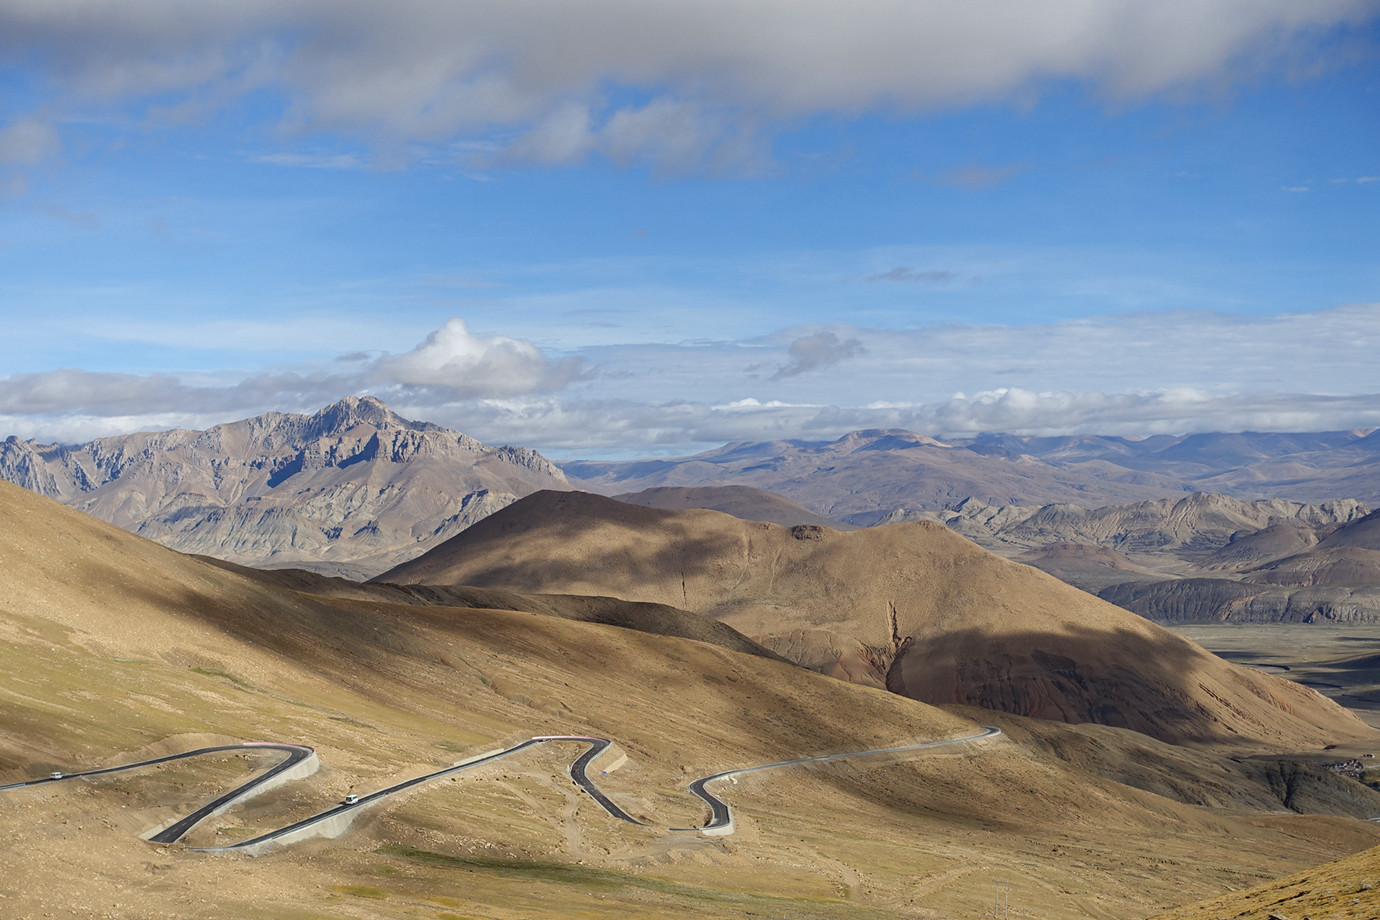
658, 619
910, 607
117, 649
1250, 550
1197, 559
1361, 534
1336, 566
740, 501
1303, 570
1224, 600
351, 490
1187, 529
868, 474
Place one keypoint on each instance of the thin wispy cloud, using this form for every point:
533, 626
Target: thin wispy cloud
313, 160
974, 177
905, 275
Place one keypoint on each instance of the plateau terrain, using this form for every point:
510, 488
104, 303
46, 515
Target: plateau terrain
117, 649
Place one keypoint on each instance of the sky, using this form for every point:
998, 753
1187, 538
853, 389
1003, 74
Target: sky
615, 229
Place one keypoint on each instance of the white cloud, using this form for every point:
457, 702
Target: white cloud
1135, 374
563, 136
699, 73
973, 177
452, 364
469, 366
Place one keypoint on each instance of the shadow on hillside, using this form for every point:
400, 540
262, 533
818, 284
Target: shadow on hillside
1158, 684
682, 555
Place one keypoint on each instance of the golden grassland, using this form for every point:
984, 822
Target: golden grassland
113, 649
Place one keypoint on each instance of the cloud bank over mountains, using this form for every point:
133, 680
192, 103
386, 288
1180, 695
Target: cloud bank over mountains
681, 84
1133, 374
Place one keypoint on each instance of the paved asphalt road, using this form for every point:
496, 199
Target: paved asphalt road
296, 753
577, 774
721, 818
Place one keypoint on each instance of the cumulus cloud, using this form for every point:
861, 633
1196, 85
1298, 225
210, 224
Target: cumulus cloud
556, 79
817, 351
466, 365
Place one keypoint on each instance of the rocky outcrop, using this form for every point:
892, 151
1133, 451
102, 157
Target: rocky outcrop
352, 489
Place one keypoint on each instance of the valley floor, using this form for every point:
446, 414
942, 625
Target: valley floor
1342, 662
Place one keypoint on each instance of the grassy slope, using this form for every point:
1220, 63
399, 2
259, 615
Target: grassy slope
1348, 889
114, 648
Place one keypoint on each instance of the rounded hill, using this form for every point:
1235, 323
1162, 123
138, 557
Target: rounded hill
910, 607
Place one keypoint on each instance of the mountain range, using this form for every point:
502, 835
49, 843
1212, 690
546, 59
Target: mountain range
355, 489
350, 490
868, 475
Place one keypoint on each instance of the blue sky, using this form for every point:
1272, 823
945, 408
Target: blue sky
623, 229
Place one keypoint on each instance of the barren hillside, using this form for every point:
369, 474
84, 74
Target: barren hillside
912, 607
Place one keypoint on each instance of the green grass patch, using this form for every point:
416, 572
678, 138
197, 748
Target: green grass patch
217, 672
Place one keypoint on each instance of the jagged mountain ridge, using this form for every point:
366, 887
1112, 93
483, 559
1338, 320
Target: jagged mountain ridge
351, 489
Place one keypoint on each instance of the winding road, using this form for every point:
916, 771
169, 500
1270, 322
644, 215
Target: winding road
301, 759
296, 754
